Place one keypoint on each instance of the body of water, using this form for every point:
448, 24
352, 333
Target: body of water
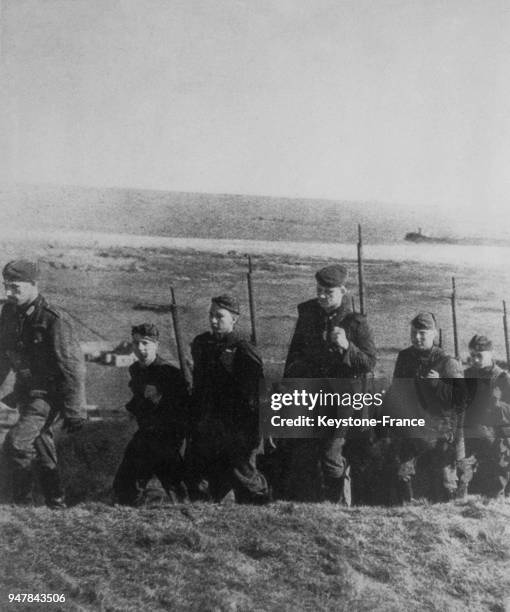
475, 255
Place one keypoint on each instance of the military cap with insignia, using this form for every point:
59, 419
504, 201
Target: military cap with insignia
480, 343
424, 320
146, 330
332, 276
228, 302
21, 271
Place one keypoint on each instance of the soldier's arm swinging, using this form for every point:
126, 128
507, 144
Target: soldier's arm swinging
362, 355
71, 373
5, 367
297, 347
5, 364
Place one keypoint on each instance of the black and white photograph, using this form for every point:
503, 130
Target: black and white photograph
255, 305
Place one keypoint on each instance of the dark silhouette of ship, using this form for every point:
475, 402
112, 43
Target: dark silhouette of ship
420, 238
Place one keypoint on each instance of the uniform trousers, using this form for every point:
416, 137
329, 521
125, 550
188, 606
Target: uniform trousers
502, 452
148, 454
30, 450
435, 461
221, 458
314, 469
492, 455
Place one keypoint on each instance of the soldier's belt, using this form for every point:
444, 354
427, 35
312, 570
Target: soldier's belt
38, 393
26, 391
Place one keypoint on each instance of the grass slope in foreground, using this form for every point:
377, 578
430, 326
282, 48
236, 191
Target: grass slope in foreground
282, 557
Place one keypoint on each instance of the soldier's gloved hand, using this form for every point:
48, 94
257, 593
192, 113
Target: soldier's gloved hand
73, 425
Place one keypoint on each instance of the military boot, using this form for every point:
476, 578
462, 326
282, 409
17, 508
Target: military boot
22, 482
449, 495
52, 488
462, 491
338, 490
405, 491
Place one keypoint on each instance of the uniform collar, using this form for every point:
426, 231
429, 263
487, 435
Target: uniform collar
30, 309
424, 355
491, 372
339, 313
229, 339
157, 361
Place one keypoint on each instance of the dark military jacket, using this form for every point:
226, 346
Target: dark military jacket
226, 377
412, 363
312, 355
488, 400
438, 400
170, 416
40, 345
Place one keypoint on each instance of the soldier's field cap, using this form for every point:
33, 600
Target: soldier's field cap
21, 271
480, 343
146, 330
228, 302
424, 320
332, 276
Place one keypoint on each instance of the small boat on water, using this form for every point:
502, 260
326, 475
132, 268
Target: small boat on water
419, 237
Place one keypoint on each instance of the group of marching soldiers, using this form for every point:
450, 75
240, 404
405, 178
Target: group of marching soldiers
205, 442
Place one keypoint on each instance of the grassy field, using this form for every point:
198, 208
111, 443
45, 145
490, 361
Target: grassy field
452, 557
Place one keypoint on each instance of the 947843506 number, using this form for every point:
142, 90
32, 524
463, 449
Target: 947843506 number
36, 597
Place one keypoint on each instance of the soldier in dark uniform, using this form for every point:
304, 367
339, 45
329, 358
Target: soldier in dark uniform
38, 342
330, 341
487, 424
426, 385
225, 402
160, 407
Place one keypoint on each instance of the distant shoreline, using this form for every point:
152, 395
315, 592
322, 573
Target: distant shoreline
480, 256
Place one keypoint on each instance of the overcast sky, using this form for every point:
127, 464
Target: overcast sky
397, 101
